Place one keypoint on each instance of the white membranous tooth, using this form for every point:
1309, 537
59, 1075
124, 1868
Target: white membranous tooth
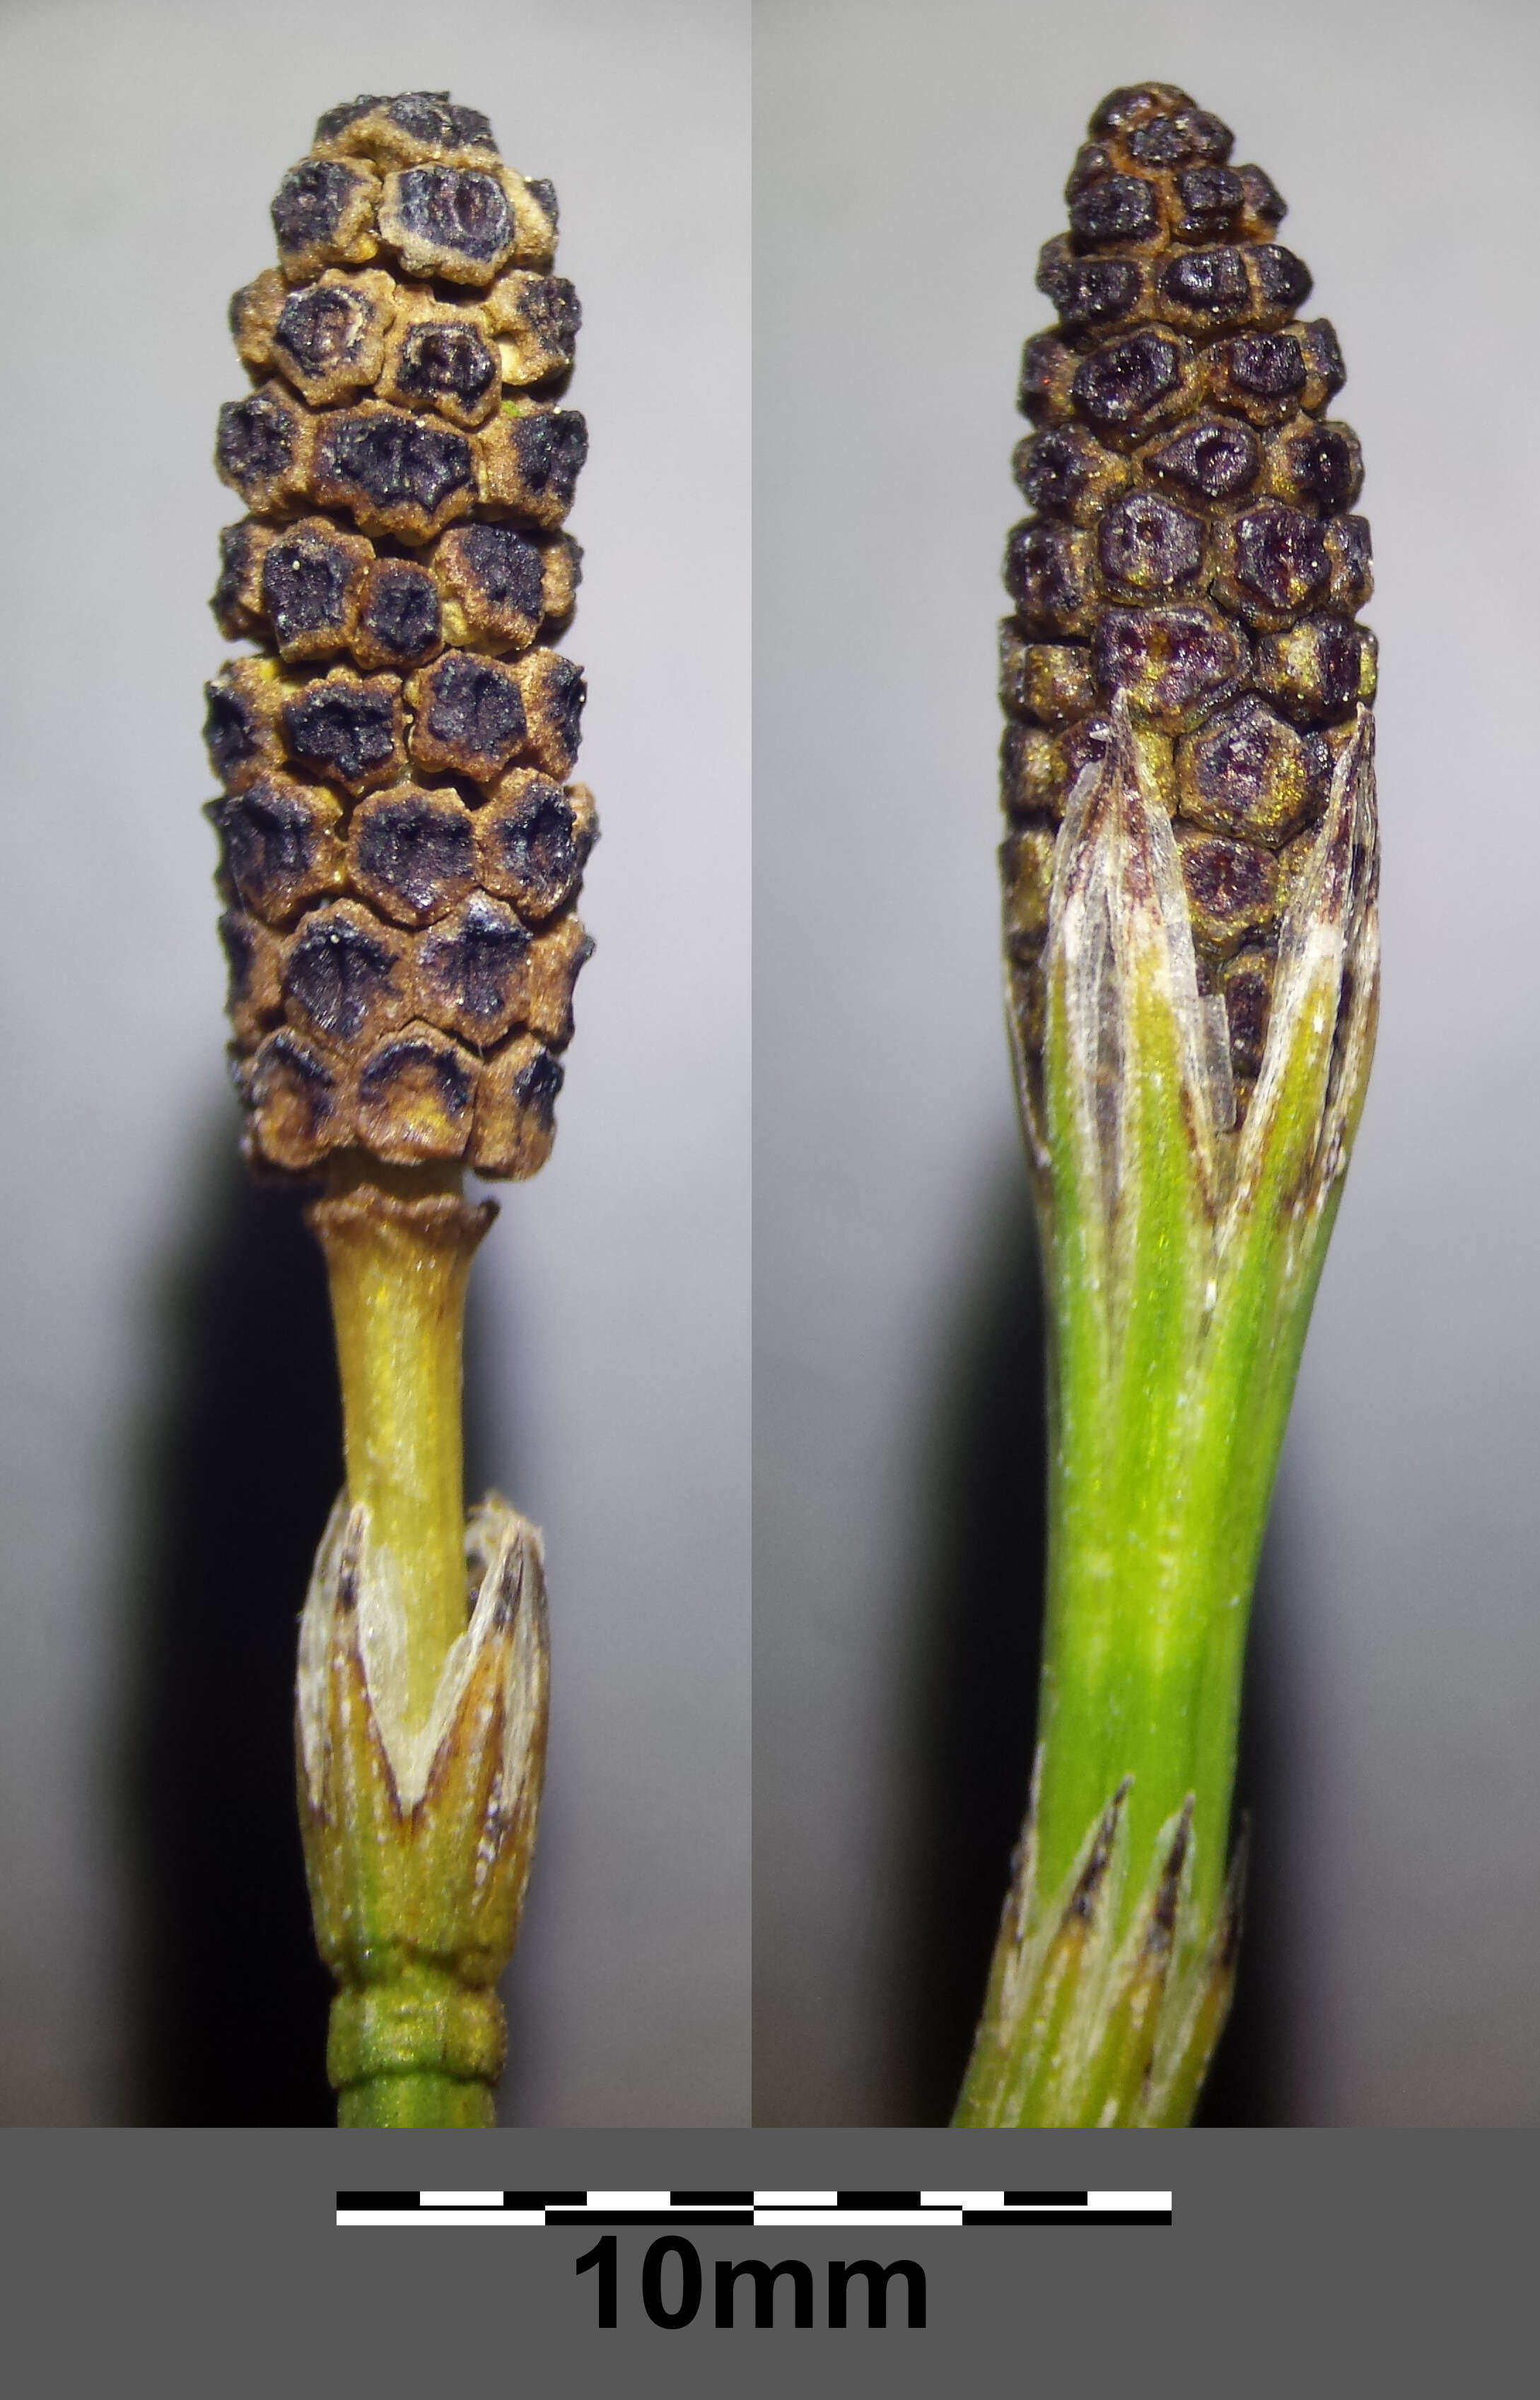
355, 1601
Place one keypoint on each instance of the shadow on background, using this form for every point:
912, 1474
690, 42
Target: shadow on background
977, 1668
229, 1999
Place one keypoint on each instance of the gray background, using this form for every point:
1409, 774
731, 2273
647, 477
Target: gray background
142, 144
909, 159
1395, 2263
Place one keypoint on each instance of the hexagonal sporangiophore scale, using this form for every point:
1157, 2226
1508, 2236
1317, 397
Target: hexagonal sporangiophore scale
401, 854
1193, 545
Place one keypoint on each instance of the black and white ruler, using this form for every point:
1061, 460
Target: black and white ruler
837, 2209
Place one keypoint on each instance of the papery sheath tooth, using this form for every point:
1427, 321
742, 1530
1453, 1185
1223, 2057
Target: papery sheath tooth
1321, 1023
419, 1838
354, 1601
1119, 929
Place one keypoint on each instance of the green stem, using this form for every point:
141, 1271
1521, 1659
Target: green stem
398, 1250
1182, 1259
1130, 1555
416, 2100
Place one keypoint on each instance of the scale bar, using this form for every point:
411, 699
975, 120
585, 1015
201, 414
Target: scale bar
937, 2210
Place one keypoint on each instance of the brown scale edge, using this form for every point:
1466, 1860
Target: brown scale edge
1193, 543
400, 845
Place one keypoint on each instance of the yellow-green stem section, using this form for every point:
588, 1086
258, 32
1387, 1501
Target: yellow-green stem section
418, 2100
398, 1248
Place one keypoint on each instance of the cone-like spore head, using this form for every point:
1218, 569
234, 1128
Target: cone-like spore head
401, 850
1194, 546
